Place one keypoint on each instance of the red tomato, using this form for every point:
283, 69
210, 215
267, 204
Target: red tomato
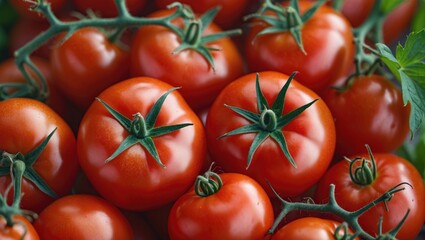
24, 8
82, 217
23, 31
24, 124
134, 180
87, 63
310, 137
240, 209
370, 111
141, 229
306, 228
230, 15
327, 40
9, 73
390, 171
107, 8
18, 229
395, 23
151, 55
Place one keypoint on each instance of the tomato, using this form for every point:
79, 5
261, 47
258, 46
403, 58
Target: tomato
328, 42
369, 111
151, 55
82, 217
87, 63
24, 8
141, 229
9, 73
306, 228
230, 15
134, 179
395, 23
310, 137
23, 31
25, 124
352, 194
240, 209
18, 229
107, 8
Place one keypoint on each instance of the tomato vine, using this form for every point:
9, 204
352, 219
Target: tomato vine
190, 33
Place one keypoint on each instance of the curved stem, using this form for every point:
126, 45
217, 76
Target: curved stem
268, 120
208, 184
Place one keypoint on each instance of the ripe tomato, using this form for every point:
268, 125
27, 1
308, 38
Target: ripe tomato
25, 124
390, 170
18, 229
107, 8
82, 217
370, 111
23, 31
328, 42
230, 15
395, 23
310, 137
240, 209
133, 180
87, 63
151, 55
10, 73
306, 228
24, 8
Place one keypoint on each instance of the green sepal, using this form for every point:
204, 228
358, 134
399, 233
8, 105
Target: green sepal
275, 122
142, 130
29, 159
285, 19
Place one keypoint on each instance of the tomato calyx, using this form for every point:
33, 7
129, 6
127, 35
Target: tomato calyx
350, 217
142, 129
8, 211
285, 18
11, 161
192, 37
38, 89
269, 121
365, 173
208, 184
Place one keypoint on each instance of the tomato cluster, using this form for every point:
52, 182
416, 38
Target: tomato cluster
160, 123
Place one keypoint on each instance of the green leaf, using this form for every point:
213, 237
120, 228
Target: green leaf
408, 67
389, 6
418, 22
259, 138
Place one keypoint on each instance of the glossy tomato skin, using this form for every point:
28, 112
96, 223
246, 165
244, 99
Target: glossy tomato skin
308, 227
241, 209
151, 55
328, 43
24, 124
391, 170
395, 23
230, 15
87, 63
107, 8
10, 73
82, 217
370, 111
133, 180
21, 227
310, 137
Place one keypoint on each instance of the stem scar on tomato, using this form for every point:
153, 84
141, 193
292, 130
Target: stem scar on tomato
141, 129
269, 121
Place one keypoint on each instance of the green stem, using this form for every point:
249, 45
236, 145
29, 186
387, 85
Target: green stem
208, 184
